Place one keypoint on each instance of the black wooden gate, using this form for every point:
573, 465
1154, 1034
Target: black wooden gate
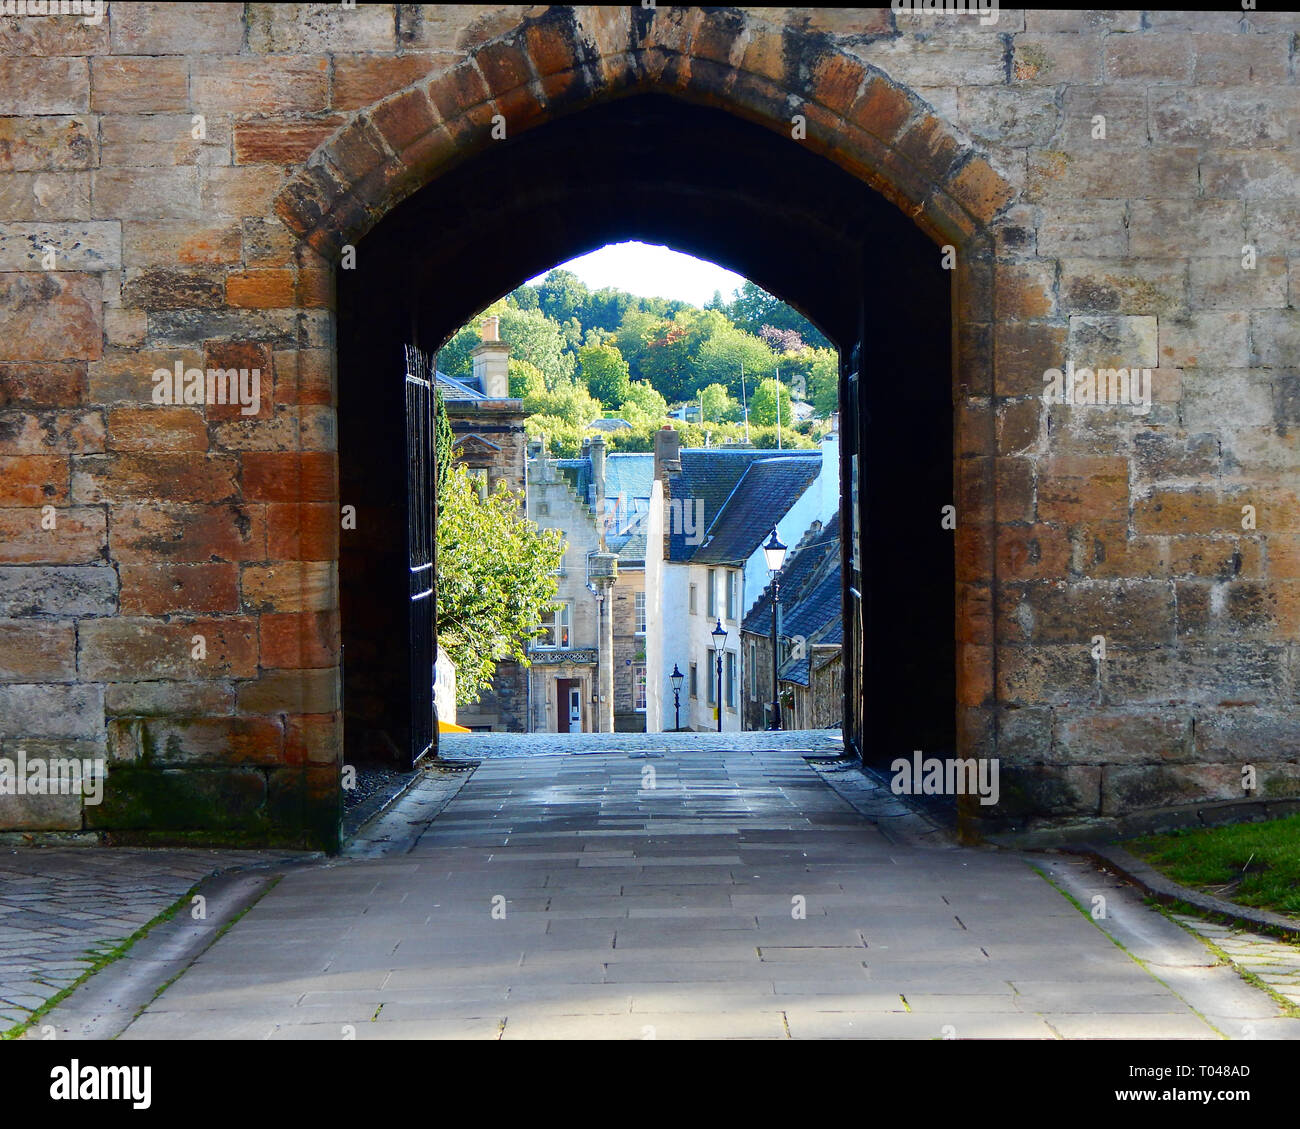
421, 516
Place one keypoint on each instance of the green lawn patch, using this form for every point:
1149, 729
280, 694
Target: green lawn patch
1252, 864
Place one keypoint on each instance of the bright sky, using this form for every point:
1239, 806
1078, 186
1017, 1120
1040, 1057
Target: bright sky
652, 272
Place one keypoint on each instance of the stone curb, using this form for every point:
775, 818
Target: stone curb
371, 808
105, 1003
1166, 891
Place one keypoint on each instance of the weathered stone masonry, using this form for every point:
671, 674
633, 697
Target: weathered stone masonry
217, 246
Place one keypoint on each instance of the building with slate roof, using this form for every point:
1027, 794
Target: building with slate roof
810, 631
488, 428
600, 503
720, 505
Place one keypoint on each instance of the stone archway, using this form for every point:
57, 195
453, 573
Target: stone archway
794, 85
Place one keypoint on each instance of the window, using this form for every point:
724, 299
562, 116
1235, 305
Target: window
479, 476
731, 680
693, 603
753, 671
695, 681
733, 596
561, 569
555, 630
713, 593
638, 687
711, 678
639, 611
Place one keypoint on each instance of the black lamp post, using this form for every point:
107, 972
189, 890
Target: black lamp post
774, 551
719, 634
676, 679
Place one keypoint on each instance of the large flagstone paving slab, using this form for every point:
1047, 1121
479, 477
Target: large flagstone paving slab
739, 898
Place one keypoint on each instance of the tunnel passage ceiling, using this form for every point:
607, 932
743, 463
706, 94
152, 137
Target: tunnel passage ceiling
645, 167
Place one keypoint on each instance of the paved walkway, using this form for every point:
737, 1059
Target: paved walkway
694, 894
481, 746
62, 907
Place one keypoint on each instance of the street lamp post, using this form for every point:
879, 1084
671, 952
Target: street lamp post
719, 634
676, 679
774, 551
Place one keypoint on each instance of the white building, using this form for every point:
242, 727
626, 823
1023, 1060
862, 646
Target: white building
721, 504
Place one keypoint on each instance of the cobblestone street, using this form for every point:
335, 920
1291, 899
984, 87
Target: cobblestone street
59, 907
702, 893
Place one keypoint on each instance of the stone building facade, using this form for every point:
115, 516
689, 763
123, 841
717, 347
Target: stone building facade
597, 502
1112, 189
489, 438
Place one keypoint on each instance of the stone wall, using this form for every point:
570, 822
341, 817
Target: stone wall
176, 185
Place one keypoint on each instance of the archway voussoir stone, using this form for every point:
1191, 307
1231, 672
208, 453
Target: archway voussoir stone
504, 65
719, 37
672, 29
458, 90
836, 82
307, 199
981, 189
357, 150
946, 221
522, 107
930, 145
405, 118
765, 54
883, 109
553, 49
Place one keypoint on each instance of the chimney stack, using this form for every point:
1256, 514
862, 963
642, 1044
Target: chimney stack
491, 361
668, 461
668, 452
597, 455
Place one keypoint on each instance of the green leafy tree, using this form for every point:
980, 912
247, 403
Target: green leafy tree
537, 339
791, 439
717, 405
569, 401
563, 439
444, 440
824, 381
672, 349
763, 405
454, 357
605, 372
723, 354
562, 295
753, 307
525, 379
495, 580
634, 331
643, 406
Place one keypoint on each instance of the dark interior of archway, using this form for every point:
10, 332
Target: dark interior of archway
716, 186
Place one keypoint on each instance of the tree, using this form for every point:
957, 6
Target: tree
724, 353
753, 307
444, 440
535, 338
644, 406
672, 349
763, 405
569, 402
525, 379
562, 295
716, 404
605, 372
824, 381
496, 579
563, 439
453, 358
633, 332
782, 340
